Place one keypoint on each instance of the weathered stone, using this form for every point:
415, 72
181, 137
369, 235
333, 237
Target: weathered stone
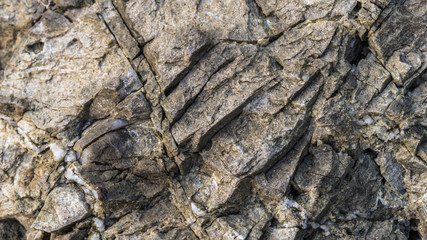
194, 82
202, 119
239, 147
231, 227
63, 207
206, 116
50, 93
97, 130
134, 107
240, 20
404, 51
275, 182
292, 47
391, 170
173, 54
133, 142
282, 233
119, 29
162, 220
326, 168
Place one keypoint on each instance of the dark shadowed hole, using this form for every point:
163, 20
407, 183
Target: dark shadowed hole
356, 9
413, 233
110, 221
373, 154
417, 82
36, 47
358, 51
46, 236
274, 223
293, 192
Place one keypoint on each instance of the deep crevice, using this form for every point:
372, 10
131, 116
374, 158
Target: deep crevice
414, 234
197, 56
356, 9
422, 78
358, 50
125, 22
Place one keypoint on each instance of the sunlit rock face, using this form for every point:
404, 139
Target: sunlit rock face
258, 119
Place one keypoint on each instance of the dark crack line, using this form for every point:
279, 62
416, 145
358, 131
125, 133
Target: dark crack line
192, 100
199, 55
125, 23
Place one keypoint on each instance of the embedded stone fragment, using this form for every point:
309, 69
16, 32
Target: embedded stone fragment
63, 207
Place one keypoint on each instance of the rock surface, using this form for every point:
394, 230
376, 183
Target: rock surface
258, 119
63, 207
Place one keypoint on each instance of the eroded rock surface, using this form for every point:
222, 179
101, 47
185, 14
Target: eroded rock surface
63, 207
259, 119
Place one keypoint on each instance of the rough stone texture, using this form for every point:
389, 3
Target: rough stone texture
11, 229
213, 119
63, 206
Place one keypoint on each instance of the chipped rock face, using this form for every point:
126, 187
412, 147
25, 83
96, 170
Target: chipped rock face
63, 207
213, 119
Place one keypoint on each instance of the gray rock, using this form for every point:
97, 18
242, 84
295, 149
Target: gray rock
63, 207
119, 29
171, 55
